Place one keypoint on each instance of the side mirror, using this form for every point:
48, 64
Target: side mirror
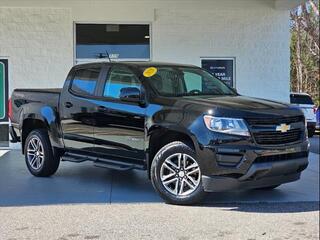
131, 94
234, 89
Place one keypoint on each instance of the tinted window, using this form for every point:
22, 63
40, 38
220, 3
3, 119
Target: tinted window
118, 78
300, 99
193, 81
85, 81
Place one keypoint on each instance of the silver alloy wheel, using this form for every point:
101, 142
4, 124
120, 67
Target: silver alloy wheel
180, 174
35, 153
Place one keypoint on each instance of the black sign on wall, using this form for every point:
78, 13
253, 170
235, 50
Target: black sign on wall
221, 68
4, 125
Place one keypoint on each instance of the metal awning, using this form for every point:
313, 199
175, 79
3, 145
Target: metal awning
288, 4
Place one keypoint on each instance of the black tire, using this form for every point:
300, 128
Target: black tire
311, 133
269, 187
50, 162
168, 150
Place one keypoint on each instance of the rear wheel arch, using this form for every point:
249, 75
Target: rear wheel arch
28, 125
39, 155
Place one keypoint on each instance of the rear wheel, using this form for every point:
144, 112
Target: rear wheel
269, 187
39, 155
176, 174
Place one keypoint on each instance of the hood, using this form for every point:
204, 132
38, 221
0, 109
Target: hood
238, 102
234, 106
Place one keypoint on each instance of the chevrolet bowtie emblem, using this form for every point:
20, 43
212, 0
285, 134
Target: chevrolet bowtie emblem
283, 128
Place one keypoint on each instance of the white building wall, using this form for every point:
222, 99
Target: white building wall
259, 40
37, 36
39, 45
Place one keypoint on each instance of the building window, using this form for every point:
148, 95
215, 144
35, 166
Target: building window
119, 41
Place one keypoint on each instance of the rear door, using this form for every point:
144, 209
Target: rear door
306, 104
77, 108
119, 130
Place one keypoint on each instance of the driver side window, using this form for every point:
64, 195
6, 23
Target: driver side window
193, 81
118, 78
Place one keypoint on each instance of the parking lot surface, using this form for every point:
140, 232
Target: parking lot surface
84, 202
84, 183
315, 144
161, 221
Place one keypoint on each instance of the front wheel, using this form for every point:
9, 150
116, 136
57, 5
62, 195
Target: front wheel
311, 132
39, 156
176, 174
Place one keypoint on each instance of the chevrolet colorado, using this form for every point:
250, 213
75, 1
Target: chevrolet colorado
190, 131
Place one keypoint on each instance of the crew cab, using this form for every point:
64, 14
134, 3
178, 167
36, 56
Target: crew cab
190, 131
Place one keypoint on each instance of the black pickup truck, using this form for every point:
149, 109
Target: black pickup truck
190, 131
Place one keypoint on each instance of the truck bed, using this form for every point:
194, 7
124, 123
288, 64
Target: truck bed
31, 99
41, 90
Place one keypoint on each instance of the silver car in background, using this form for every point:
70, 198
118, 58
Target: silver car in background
305, 102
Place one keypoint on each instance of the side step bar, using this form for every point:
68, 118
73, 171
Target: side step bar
72, 157
115, 166
102, 162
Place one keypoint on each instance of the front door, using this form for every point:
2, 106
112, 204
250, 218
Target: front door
119, 130
77, 109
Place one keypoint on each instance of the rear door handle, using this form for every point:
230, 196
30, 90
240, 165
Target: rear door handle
102, 108
68, 104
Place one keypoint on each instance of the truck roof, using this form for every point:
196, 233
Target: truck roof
137, 64
299, 93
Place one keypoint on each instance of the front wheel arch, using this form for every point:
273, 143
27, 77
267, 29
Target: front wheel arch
191, 197
163, 136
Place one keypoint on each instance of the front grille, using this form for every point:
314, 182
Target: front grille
274, 121
281, 157
264, 130
274, 137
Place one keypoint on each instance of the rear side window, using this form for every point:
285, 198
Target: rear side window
85, 81
300, 99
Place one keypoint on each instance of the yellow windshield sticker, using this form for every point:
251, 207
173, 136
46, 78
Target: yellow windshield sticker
149, 72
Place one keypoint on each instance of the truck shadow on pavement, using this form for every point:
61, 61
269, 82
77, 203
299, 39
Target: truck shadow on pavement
280, 207
85, 184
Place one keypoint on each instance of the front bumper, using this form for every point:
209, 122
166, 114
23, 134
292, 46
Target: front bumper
259, 175
234, 164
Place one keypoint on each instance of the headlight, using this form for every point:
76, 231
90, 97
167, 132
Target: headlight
226, 125
306, 128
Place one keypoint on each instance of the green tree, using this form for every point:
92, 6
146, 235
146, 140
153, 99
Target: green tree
305, 49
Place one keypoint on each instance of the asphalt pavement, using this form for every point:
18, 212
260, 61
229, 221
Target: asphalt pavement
84, 183
161, 221
314, 144
84, 202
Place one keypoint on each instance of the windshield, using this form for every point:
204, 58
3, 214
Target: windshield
300, 99
186, 81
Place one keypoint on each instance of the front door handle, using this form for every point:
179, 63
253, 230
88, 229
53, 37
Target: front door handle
102, 108
68, 104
